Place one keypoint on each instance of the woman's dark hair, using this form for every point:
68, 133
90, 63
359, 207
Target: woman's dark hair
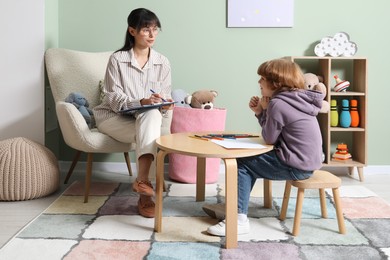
138, 19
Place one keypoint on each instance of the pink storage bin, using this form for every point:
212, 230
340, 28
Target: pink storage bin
182, 168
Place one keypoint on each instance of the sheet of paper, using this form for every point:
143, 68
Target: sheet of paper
239, 143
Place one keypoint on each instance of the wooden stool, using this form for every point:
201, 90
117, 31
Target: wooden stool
319, 180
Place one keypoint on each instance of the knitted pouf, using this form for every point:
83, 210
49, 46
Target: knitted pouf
28, 170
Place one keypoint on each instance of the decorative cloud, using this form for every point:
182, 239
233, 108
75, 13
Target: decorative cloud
339, 45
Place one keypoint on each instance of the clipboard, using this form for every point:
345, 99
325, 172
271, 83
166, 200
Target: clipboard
133, 109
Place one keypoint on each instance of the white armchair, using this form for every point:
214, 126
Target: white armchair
75, 71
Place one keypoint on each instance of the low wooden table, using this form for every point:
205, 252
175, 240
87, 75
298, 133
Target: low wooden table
181, 143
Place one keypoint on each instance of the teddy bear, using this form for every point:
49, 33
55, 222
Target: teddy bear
179, 96
314, 82
203, 99
82, 104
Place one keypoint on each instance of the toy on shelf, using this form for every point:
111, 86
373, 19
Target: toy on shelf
315, 82
342, 153
334, 114
354, 113
345, 116
341, 85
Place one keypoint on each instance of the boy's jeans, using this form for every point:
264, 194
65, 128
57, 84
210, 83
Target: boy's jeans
266, 166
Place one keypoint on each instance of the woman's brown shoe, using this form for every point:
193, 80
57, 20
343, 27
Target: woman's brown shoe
146, 207
143, 188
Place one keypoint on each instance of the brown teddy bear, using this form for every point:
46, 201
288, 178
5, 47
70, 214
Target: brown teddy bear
203, 99
314, 82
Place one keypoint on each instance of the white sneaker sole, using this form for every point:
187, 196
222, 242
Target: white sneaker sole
220, 229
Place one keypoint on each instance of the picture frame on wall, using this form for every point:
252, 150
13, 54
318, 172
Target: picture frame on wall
260, 13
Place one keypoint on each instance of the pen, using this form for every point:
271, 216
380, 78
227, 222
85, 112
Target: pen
151, 90
220, 137
209, 137
232, 136
198, 137
213, 137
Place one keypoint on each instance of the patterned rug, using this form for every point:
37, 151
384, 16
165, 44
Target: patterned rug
109, 227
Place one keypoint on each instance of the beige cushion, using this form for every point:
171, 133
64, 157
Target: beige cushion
28, 170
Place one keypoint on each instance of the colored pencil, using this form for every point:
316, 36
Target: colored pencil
198, 137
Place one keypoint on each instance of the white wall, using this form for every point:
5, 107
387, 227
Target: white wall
22, 48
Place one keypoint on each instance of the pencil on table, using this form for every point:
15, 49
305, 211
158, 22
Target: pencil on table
198, 137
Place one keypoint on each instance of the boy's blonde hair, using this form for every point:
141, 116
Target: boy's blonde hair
284, 75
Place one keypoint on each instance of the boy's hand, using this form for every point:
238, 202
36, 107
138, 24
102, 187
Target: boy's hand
255, 105
264, 101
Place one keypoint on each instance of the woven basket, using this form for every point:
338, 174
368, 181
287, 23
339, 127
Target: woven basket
28, 170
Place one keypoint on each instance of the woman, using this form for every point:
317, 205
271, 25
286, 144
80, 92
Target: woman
137, 75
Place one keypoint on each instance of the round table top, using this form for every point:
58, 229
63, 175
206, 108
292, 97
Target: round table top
182, 143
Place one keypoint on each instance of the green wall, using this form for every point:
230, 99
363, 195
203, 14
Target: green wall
204, 54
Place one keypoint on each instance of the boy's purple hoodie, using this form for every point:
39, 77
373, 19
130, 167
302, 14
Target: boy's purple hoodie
290, 124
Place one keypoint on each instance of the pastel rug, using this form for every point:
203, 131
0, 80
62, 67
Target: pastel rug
109, 227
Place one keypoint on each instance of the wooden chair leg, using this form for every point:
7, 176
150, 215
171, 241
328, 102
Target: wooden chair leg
164, 186
286, 198
298, 211
127, 159
267, 189
324, 211
74, 162
88, 177
339, 212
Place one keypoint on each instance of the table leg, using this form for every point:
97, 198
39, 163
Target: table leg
159, 190
267, 193
231, 202
200, 178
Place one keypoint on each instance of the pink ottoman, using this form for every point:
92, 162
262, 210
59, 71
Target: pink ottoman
182, 168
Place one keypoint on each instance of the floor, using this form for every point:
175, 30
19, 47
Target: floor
15, 215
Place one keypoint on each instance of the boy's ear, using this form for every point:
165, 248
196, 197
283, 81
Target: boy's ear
277, 85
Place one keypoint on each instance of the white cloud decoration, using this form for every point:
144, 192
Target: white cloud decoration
339, 45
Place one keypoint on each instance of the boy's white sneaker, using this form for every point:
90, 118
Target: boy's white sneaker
220, 228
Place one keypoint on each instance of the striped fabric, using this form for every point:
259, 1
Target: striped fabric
126, 83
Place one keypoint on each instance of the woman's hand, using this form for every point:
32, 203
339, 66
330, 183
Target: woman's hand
168, 107
153, 99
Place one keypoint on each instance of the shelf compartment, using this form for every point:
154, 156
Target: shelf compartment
343, 164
